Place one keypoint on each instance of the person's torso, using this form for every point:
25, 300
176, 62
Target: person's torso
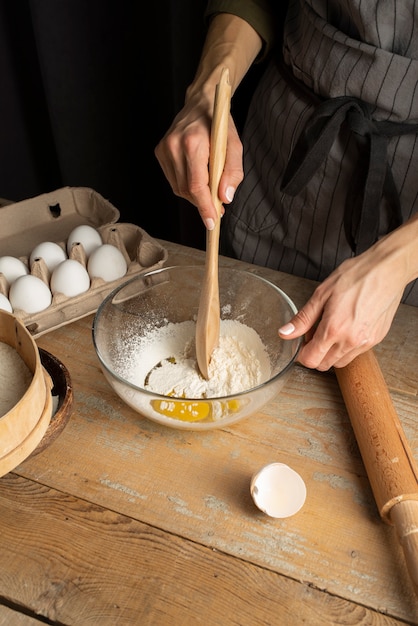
368, 50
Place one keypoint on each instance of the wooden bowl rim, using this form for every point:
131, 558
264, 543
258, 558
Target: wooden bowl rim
62, 384
21, 419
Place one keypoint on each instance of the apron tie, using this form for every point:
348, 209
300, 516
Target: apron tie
372, 178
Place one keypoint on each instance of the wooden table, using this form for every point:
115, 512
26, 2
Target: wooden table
121, 521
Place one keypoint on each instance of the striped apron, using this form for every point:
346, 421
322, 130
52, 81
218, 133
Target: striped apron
330, 140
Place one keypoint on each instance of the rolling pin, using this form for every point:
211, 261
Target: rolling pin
387, 456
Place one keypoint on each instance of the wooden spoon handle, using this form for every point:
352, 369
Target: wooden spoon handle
218, 144
208, 319
386, 454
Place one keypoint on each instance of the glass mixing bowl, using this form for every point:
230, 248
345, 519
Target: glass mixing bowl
131, 321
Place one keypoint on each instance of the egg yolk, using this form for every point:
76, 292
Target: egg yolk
189, 411
233, 405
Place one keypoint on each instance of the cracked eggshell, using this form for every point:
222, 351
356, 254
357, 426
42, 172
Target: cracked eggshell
30, 294
107, 262
50, 252
70, 278
278, 490
87, 236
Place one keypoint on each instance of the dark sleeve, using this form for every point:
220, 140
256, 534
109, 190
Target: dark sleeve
265, 16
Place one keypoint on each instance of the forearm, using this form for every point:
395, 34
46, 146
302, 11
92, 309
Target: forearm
183, 152
400, 249
231, 42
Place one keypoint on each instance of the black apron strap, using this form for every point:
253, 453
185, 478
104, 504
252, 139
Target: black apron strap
373, 177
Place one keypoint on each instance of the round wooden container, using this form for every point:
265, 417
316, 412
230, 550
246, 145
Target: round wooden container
22, 428
63, 390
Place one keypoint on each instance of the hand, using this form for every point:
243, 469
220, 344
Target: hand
183, 154
351, 311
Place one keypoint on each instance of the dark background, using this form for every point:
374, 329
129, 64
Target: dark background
88, 87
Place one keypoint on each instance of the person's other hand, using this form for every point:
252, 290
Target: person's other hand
350, 312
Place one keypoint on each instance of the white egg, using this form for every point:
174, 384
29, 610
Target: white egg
50, 252
12, 268
70, 278
5, 303
107, 262
88, 236
30, 294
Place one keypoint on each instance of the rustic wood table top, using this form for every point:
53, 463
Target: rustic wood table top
121, 521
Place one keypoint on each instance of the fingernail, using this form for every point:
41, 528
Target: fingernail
209, 223
287, 329
230, 192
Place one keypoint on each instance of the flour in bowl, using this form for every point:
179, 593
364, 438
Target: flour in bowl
15, 378
164, 362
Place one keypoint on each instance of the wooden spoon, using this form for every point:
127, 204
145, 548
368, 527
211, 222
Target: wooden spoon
208, 318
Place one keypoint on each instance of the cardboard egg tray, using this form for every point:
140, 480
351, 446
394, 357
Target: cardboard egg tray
52, 217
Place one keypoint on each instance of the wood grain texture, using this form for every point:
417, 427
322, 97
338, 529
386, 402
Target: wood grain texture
193, 488
11, 617
115, 570
197, 486
198, 483
390, 464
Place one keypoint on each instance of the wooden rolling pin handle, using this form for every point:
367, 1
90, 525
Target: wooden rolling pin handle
404, 516
387, 457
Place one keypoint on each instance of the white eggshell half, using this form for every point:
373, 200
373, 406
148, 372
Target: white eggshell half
12, 267
5, 304
107, 262
88, 236
50, 252
278, 490
30, 294
70, 278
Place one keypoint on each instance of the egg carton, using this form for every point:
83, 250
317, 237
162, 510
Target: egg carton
52, 217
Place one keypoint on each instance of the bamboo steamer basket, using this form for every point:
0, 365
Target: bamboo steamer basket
24, 425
